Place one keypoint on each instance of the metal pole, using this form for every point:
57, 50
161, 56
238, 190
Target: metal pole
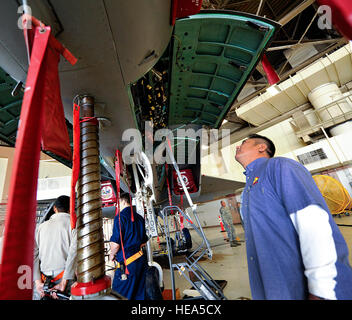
90, 238
25, 6
260, 7
295, 12
164, 213
331, 146
190, 202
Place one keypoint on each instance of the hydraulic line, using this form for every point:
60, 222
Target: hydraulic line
90, 238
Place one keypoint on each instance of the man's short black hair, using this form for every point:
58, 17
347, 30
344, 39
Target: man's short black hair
62, 204
125, 196
269, 144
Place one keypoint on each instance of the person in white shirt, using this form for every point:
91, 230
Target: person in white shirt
55, 250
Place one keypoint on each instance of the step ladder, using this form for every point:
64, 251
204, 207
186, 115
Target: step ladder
206, 286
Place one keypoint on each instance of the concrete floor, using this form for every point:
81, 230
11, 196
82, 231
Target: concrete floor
230, 263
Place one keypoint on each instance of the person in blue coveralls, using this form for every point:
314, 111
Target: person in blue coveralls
131, 264
295, 250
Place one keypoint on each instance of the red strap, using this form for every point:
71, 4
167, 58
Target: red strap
75, 163
123, 249
53, 42
118, 164
181, 217
117, 173
92, 120
56, 141
129, 191
168, 185
58, 277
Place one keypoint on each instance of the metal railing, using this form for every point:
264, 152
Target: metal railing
332, 114
205, 285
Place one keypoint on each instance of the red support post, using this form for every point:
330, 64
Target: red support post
18, 242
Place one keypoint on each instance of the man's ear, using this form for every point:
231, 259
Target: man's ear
262, 147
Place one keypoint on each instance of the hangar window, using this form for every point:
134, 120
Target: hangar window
312, 156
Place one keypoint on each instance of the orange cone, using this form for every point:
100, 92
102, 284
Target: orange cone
221, 225
158, 241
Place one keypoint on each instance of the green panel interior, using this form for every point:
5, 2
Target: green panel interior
213, 56
10, 109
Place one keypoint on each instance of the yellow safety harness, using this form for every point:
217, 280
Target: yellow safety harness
130, 259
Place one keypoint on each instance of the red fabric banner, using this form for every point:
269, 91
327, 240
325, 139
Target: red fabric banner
55, 136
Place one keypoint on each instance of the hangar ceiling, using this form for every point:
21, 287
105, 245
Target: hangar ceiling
298, 44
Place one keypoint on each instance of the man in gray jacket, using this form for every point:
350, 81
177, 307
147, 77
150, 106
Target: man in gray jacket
226, 218
55, 250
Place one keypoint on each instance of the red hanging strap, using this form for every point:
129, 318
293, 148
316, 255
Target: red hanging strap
92, 120
118, 173
75, 163
132, 214
76, 160
123, 249
118, 164
168, 184
181, 217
